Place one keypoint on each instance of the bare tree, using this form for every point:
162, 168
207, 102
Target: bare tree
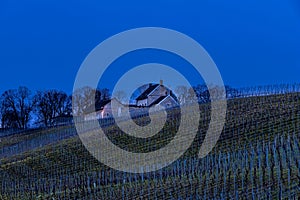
182, 94
52, 104
191, 96
105, 94
82, 100
202, 93
121, 96
16, 107
231, 92
204, 96
9, 119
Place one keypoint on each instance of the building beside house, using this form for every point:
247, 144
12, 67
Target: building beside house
104, 110
156, 95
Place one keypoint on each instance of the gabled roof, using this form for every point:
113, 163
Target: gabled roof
157, 101
145, 94
98, 106
171, 97
174, 96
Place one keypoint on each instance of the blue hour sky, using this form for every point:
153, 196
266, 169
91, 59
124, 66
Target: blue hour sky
43, 43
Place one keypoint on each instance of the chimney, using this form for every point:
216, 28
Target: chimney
161, 82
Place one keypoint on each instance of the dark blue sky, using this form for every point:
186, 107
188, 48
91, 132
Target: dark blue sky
43, 43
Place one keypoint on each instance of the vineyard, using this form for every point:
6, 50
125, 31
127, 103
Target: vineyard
256, 157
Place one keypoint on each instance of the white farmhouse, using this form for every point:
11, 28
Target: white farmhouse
156, 95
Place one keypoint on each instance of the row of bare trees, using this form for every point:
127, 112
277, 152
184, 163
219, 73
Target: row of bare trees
200, 93
21, 107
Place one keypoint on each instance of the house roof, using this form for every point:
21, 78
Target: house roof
174, 96
98, 106
163, 98
145, 94
157, 101
171, 97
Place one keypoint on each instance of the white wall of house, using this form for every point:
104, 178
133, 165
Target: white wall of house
143, 102
106, 112
93, 116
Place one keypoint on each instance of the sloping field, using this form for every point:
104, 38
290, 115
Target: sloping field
257, 157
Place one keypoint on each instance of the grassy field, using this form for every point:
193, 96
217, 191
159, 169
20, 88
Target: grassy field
257, 157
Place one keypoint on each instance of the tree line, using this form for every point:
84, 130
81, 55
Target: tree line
21, 107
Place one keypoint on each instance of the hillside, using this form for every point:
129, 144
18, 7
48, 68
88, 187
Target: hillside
257, 156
